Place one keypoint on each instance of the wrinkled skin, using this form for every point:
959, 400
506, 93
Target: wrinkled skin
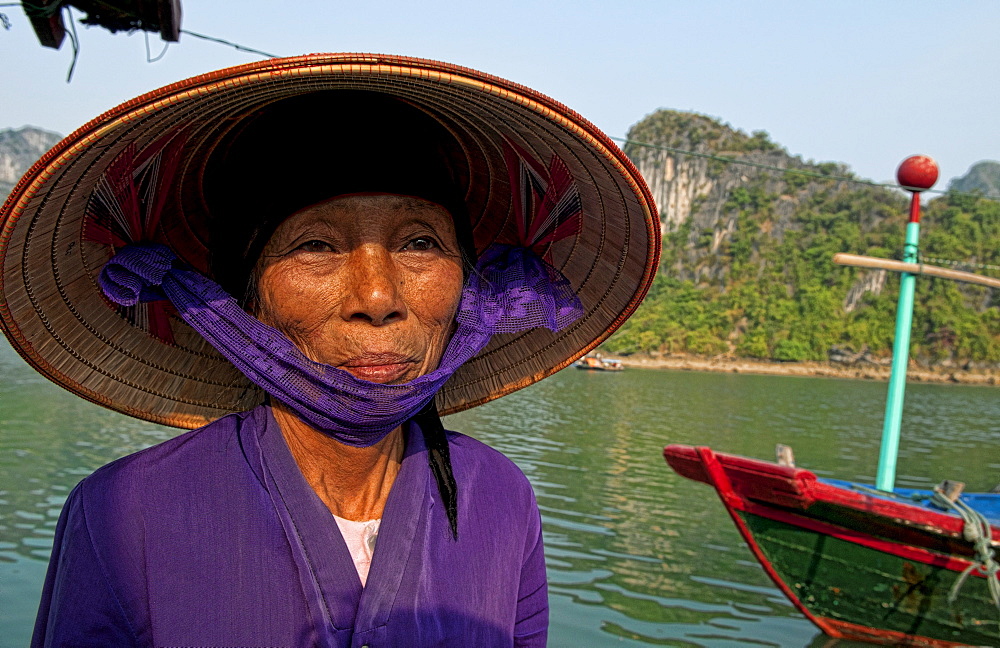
371, 284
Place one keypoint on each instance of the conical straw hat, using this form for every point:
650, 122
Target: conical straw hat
55, 315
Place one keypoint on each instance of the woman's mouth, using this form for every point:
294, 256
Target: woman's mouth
378, 367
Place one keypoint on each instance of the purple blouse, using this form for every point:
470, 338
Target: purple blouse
214, 539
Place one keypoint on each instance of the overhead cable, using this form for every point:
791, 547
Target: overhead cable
222, 41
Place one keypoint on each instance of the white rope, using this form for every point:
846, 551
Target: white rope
978, 531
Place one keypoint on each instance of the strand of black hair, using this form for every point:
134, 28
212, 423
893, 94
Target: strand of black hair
439, 457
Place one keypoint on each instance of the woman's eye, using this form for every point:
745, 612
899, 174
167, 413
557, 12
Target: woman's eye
315, 246
421, 244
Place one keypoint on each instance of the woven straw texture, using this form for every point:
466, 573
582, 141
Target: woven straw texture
57, 318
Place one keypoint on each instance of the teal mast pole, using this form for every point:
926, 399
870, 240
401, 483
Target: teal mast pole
916, 174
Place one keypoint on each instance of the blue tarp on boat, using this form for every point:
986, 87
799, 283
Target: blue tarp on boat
987, 504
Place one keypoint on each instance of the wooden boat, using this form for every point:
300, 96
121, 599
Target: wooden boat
883, 565
861, 564
597, 363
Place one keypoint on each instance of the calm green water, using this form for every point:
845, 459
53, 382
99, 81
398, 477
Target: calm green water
636, 555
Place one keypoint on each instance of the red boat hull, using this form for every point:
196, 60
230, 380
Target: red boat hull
859, 566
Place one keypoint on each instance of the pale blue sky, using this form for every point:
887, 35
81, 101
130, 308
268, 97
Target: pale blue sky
865, 83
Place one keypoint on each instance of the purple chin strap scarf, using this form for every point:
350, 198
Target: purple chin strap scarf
510, 290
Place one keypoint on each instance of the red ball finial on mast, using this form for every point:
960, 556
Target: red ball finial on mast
917, 173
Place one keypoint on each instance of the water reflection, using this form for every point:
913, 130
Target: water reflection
642, 557
49, 440
637, 556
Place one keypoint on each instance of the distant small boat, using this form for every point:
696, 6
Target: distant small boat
597, 363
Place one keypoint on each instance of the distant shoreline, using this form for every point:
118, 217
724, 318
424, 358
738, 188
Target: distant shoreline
826, 369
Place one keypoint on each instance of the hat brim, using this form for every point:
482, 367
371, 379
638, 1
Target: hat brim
56, 317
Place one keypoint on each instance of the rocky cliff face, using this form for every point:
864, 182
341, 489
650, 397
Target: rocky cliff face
677, 154
19, 149
749, 236
983, 177
704, 200
684, 184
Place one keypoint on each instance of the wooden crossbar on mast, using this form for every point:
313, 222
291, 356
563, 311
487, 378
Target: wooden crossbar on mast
860, 261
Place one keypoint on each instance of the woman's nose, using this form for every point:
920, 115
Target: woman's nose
374, 292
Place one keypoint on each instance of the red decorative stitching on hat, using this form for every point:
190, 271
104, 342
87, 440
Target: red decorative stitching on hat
547, 204
126, 207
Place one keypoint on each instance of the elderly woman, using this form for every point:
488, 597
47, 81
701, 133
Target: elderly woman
308, 259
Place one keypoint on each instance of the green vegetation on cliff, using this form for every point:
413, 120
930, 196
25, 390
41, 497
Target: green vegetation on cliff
750, 273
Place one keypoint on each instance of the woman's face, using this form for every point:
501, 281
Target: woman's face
369, 284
